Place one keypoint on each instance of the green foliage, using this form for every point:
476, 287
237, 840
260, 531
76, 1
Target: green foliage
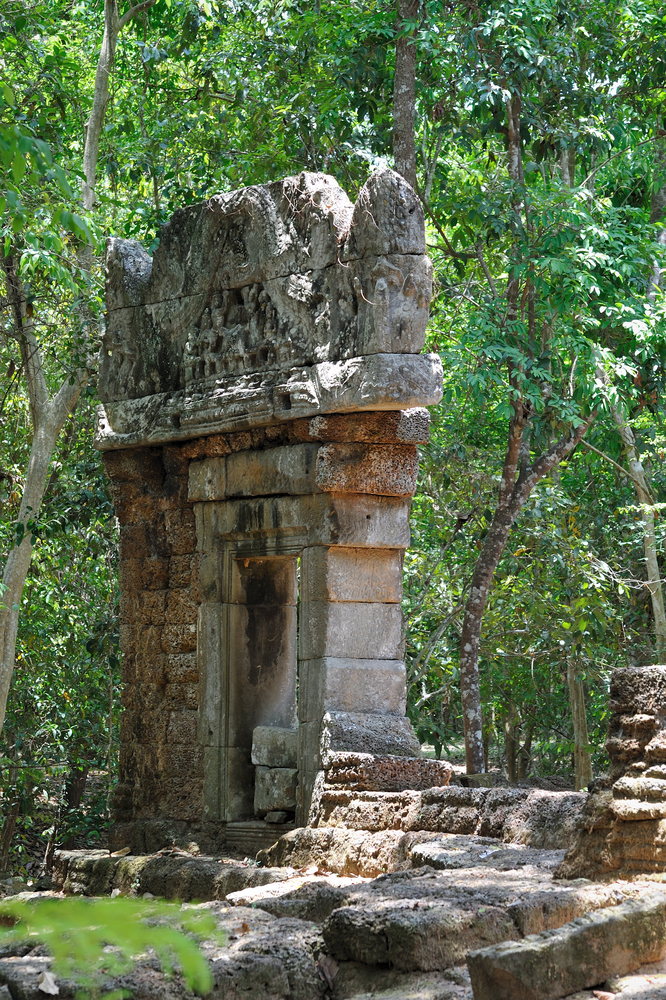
93, 939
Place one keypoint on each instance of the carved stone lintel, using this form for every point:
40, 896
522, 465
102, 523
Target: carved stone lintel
377, 382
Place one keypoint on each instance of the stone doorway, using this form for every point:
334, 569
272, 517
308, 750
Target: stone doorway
248, 665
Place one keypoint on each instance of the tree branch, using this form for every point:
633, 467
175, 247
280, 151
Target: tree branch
542, 466
607, 458
133, 11
28, 346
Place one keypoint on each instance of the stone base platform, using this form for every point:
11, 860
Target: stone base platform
308, 935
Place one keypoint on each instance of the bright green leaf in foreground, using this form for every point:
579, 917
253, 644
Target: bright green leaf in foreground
77, 933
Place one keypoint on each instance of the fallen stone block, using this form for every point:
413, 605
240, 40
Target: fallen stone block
452, 852
578, 955
172, 876
274, 788
414, 935
273, 746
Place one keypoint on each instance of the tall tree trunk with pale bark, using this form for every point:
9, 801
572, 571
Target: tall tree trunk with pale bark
49, 413
404, 92
581, 754
635, 465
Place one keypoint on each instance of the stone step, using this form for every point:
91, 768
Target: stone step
344, 851
647, 789
451, 852
169, 875
426, 920
385, 773
589, 951
531, 816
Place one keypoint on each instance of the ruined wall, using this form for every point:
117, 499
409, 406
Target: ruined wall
262, 392
623, 826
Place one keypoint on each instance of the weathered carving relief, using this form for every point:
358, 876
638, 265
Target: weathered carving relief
252, 297
262, 389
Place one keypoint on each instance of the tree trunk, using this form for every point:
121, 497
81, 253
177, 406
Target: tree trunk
18, 561
582, 758
470, 684
511, 743
524, 755
404, 93
515, 490
49, 413
100, 101
645, 499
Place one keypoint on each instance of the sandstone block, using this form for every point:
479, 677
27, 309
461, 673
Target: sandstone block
434, 934
354, 630
648, 789
362, 520
623, 750
207, 479
180, 531
288, 469
638, 690
386, 773
182, 727
383, 469
367, 733
352, 520
630, 810
364, 810
261, 679
274, 789
134, 542
177, 760
656, 771
544, 819
154, 573
346, 852
274, 747
268, 582
180, 608
181, 696
386, 285
655, 751
179, 638
181, 668
238, 777
387, 218
638, 726
389, 427
340, 573
181, 572
583, 953
337, 684
373, 382
451, 809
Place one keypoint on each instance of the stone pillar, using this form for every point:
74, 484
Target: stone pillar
623, 828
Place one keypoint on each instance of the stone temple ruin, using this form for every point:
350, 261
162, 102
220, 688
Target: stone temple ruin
262, 389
